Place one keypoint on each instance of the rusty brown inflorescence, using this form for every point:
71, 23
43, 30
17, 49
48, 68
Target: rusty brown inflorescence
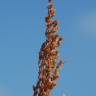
48, 69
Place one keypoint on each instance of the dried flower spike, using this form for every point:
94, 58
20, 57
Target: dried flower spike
48, 55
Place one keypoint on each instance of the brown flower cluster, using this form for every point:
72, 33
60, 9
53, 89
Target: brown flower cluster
48, 69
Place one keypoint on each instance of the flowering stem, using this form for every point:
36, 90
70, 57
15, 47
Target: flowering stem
48, 55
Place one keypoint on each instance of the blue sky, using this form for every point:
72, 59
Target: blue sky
22, 30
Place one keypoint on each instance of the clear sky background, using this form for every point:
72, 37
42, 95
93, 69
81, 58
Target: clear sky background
22, 29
